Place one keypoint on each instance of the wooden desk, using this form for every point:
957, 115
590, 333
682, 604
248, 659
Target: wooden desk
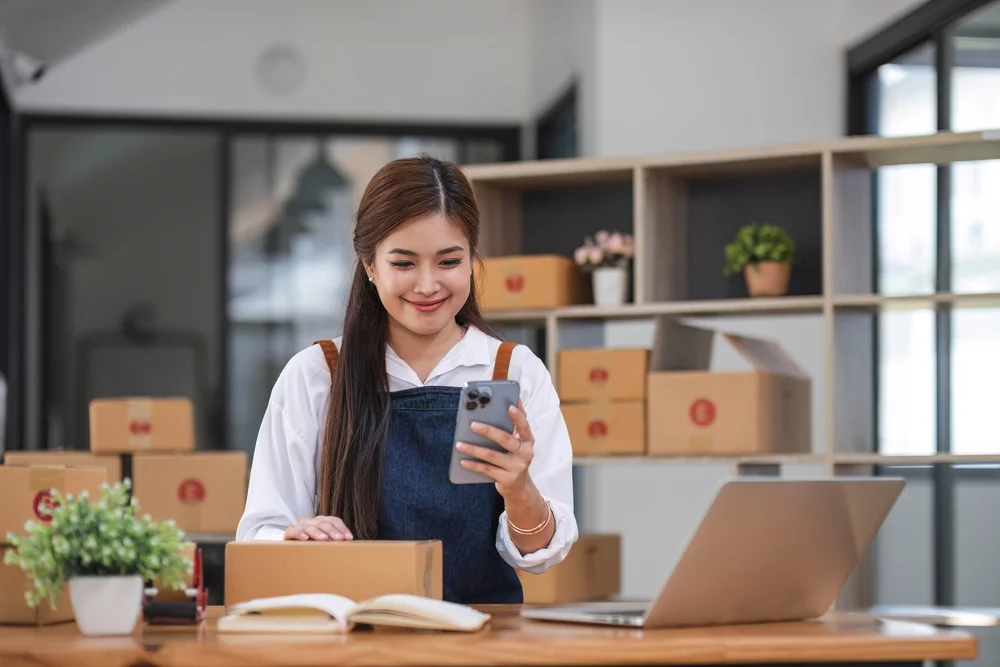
840, 639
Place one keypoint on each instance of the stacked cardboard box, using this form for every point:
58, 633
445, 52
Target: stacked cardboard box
151, 441
694, 411
24, 491
591, 571
603, 397
528, 282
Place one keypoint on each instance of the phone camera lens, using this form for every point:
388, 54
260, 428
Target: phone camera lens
483, 400
471, 405
473, 394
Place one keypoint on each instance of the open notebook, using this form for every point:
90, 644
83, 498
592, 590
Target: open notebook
324, 612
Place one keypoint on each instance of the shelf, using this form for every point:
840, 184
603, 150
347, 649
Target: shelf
748, 306
895, 460
938, 148
916, 301
762, 459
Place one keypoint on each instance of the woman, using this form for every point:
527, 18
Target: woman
356, 439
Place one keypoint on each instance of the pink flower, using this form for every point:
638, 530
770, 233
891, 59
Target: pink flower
596, 254
580, 256
602, 238
616, 243
628, 248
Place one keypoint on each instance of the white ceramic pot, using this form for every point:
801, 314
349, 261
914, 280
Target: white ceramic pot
106, 605
610, 285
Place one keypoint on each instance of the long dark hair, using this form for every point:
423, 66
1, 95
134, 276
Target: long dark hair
358, 421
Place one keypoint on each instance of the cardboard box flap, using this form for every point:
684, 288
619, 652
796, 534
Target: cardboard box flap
680, 347
765, 355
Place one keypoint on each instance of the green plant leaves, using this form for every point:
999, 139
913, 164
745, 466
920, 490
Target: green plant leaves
758, 243
96, 538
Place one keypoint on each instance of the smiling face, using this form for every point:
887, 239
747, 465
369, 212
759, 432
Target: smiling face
422, 271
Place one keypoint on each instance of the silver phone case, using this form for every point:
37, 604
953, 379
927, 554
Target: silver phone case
494, 411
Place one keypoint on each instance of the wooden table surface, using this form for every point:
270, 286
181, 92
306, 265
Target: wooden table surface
507, 640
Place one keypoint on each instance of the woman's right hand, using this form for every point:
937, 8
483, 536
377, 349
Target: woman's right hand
320, 528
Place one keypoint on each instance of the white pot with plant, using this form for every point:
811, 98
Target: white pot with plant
104, 552
764, 254
607, 257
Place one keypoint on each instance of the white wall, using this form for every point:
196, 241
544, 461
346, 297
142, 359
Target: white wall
681, 76
434, 60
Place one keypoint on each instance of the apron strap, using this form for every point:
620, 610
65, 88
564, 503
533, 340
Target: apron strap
330, 352
502, 363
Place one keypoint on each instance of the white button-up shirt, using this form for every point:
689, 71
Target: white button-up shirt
283, 476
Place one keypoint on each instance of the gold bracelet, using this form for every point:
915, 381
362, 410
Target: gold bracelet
537, 529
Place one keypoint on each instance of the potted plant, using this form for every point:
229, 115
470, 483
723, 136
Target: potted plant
606, 256
764, 253
104, 552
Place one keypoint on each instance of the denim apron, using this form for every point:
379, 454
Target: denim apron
419, 502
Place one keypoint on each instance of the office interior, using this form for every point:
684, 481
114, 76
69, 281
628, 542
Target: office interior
158, 237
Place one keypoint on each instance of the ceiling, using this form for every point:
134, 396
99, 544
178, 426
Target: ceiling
52, 31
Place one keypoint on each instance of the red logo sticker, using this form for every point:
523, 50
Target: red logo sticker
43, 499
191, 491
514, 283
598, 375
597, 429
140, 428
702, 412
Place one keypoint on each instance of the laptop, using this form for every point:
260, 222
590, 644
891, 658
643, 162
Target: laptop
766, 550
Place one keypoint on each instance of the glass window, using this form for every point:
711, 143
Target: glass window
975, 105
906, 101
974, 372
907, 418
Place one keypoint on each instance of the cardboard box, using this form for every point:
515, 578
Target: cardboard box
358, 569
204, 492
697, 412
110, 462
601, 427
13, 608
591, 571
602, 374
526, 282
123, 425
25, 489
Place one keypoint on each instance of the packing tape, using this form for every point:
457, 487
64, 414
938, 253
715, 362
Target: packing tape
42, 479
191, 493
428, 569
599, 426
599, 374
514, 286
139, 423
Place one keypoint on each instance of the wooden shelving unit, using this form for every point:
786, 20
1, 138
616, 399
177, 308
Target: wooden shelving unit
683, 208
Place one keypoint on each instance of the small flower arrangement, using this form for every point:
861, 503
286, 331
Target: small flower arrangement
605, 249
104, 538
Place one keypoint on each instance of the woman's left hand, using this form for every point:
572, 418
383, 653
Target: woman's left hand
509, 469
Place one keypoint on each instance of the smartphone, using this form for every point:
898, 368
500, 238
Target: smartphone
485, 401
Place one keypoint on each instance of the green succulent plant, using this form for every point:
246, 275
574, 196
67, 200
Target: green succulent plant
105, 537
758, 243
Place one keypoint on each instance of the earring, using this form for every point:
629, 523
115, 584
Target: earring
370, 279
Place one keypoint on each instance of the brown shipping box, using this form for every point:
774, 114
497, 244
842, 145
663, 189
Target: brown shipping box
204, 492
527, 282
110, 462
591, 571
357, 570
13, 608
588, 374
702, 413
602, 427
23, 491
126, 425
